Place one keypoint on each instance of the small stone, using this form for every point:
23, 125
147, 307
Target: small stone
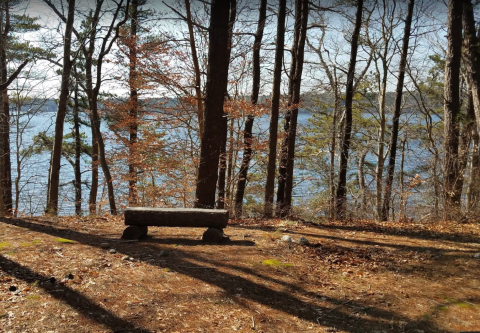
125, 258
104, 245
287, 238
131, 259
163, 253
113, 251
303, 241
477, 255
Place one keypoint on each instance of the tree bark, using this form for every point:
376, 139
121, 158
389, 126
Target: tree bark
452, 108
285, 179
92, 200
465, 140
247, 134
273, 134
52, 203
198, 81
224, 124
472, 55
133, 112
396, 113
341, 195
473, 193
216, 86
78, 151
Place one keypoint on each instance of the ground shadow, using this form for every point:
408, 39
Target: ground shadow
71, 297
306, 309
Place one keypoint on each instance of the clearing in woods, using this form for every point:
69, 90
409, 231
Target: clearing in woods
58, 275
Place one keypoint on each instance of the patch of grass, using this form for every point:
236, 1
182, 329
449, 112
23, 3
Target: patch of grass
37, 242
64, 240
4, 244
32, 297
465, 305
276, 263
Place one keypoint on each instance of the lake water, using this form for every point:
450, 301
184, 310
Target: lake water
34, 170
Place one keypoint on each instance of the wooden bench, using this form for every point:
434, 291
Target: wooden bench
138, 219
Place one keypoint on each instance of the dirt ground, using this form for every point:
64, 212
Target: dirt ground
58, 275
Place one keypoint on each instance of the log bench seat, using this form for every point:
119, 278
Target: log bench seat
138, 219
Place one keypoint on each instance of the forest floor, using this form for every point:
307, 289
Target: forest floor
57, 275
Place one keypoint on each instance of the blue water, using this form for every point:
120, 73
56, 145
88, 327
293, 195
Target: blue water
33, 182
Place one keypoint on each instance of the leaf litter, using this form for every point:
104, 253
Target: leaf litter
356, 276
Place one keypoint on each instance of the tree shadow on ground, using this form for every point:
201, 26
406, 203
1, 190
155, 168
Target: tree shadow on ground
306, 308
393, 230
70, 297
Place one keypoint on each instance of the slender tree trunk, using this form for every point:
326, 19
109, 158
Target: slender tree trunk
273, 135
452, 108
381, 140
224, 124
92, 200
340, 209
52, 204
285, 183
464, 144
222, 173
473, 194
133, 112
472, 55
217, 80
295, 101
396, 113
361, 181
247, 134
230, 165
403, 194
198, 81
78, 151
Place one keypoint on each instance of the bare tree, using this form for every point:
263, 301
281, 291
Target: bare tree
217, 79
397, 112
341, 195
273, 129
452, 107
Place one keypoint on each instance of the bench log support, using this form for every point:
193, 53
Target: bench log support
138, 219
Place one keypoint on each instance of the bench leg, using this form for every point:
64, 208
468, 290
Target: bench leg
214, 235
133, 232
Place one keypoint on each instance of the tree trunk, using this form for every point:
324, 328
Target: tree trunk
285, 187
361, 182
92, 200
472, 55
133, 112
52, 204
78, 151
341, 196
452, 108
295, 101
217, 81
198, 82
273, 135
396, 113
473, 194
222, 173
247, 134
5, 166
224, 124
465, 140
